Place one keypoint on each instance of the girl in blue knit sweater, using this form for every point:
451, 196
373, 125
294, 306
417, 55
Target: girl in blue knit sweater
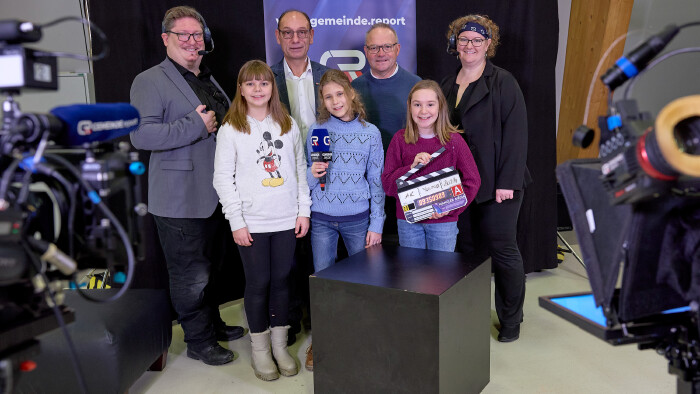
352, 204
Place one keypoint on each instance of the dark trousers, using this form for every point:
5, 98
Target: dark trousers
186, 245
302, 267
390, 232
494, 226
267, 265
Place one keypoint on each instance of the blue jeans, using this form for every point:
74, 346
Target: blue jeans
324, 239
433, 236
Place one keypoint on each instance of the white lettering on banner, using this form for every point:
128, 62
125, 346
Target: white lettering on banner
351, 69
87, 127
356, 21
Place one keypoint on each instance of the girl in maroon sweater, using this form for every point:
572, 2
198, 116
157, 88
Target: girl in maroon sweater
427, 130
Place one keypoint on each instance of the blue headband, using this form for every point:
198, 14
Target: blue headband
473, 26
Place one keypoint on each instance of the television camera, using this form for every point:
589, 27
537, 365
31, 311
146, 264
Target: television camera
70, 197
636, 212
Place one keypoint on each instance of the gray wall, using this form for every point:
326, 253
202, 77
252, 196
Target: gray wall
678, 76
75, 78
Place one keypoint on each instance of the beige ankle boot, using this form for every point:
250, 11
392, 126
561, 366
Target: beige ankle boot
285, 362
263, 365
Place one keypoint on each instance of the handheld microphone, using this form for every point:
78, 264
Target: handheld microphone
321, 150
629, 66
87, 123
74, 125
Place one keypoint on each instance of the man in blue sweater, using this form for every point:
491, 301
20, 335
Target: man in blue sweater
385, 88
384, 91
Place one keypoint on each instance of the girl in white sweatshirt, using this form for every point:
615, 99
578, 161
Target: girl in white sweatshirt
260, 176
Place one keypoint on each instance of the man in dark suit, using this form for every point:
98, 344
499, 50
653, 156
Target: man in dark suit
297, 79
181, 106
296, 75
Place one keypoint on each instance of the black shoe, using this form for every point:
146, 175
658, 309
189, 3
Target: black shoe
229, 333
509, 333
211, 355
291, 338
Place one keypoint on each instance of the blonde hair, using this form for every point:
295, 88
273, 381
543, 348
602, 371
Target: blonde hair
236, 115
490, 26
442, 126
341, 79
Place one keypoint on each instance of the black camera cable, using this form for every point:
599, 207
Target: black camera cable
100, 34
654, 63
7, 178
59, 316
131, 265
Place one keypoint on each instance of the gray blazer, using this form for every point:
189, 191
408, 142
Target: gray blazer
181, 168
317, 71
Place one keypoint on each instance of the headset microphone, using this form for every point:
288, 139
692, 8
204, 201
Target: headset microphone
321, 150
210, 40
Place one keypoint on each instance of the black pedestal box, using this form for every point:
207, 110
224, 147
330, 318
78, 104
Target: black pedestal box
401, 320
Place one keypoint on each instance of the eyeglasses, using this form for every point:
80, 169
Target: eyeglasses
463, 41
374, 49
288, 34
186, 36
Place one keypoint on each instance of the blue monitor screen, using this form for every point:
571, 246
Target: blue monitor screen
584, 305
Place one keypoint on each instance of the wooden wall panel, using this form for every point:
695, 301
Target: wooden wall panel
593, 26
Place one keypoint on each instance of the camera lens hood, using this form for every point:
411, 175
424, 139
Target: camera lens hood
671, 115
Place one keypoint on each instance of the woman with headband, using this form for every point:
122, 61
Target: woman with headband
486, 102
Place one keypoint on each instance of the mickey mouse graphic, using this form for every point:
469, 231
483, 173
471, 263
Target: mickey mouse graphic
270, 160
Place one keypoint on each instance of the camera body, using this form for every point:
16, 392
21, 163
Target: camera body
622, 174
70, 198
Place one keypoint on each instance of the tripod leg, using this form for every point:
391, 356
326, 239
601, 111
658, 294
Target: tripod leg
570, 250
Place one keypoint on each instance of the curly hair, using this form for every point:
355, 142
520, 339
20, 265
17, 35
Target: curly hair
356, 106
483, 20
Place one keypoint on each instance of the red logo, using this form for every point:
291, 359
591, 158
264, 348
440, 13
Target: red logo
457, 190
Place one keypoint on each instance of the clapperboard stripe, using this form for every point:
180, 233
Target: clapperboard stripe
417, 215
402, 181
440, 191
433, 176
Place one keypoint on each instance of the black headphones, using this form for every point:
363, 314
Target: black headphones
452, 40
208, 41
452, 44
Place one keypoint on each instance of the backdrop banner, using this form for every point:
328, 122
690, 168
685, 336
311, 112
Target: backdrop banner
340, 27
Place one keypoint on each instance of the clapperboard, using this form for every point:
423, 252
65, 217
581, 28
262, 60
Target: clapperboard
438, 192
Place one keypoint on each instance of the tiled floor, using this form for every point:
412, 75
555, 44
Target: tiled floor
551, 356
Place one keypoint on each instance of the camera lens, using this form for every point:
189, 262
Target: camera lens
678, 135
687, 135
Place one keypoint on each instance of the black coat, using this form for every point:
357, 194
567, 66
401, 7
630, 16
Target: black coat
495, 128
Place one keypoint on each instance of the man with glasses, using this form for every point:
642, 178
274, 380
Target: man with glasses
385, 88
384, 91
181, 107
297, 79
